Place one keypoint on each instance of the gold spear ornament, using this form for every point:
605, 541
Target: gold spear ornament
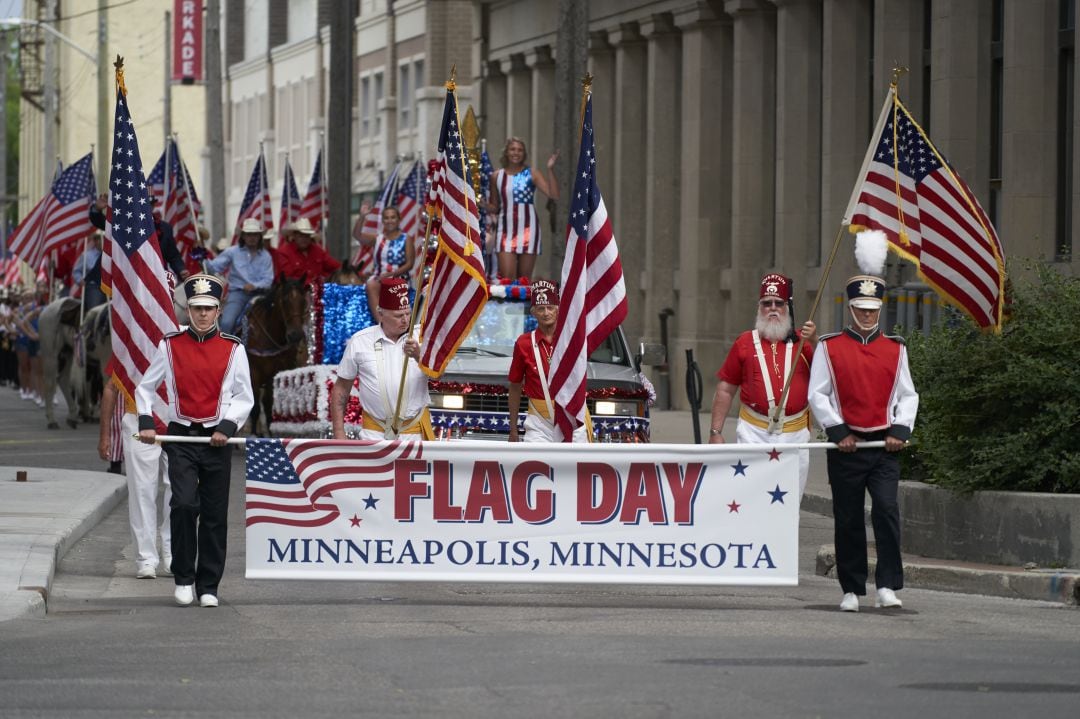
119, 65
470, 138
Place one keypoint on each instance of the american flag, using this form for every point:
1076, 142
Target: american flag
256, 200
132, 271
908, 190
10, 271
457, 288
292, 481
314, 205
290, 199
62, 216
181, 203
410, 198
593, 297
486, 170
365, 256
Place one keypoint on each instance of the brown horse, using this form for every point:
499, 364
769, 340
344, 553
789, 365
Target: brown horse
275, 331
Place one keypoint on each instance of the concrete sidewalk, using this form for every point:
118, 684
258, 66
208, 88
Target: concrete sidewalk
41, 519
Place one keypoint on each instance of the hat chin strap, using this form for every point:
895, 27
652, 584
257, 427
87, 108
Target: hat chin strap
864, 328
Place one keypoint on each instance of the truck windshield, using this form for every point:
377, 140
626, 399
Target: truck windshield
501, 322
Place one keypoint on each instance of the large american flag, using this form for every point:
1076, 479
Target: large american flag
314, 204
457, 288
177, 199
908, 190
592, 302
256, 201
61, 217
364, 260
290, 199
132, 271
292, 481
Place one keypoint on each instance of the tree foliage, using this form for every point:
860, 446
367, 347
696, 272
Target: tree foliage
1002, 411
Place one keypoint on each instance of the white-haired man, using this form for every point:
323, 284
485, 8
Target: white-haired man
758, 366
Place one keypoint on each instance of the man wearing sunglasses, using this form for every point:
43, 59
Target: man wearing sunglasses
758, 366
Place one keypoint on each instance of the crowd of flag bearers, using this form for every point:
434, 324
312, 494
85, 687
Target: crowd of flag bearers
193, 381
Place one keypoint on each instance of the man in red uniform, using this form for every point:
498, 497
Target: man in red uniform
300, 257
529, 370
861, 390
757, 366
209, 391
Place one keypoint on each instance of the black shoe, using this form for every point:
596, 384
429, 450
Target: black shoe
114, 468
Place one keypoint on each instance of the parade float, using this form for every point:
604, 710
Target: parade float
469, 400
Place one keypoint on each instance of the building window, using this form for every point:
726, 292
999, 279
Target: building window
404, 97
1065, 145
365, 107
997, 81
378, 84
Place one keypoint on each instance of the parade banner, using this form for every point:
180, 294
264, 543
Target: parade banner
477, 511
187, 41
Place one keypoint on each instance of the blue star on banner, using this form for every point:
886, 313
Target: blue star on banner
370, 501
777, 495
739, 468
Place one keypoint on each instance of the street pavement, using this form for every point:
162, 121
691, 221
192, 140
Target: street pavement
110, 644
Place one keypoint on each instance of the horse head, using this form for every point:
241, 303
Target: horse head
291, 299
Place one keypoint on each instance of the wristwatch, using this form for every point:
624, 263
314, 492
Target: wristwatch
716, 432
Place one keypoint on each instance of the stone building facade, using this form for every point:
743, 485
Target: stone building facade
730, 135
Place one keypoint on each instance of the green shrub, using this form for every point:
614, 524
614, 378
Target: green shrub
1002, 411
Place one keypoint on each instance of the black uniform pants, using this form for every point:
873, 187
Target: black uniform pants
851, 475
199, 509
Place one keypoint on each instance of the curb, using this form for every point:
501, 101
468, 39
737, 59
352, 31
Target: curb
1043, 585
30, 597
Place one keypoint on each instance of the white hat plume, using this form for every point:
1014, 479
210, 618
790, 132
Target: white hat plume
871, 249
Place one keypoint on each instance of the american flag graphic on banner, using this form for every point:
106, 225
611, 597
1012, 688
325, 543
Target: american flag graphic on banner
132, 271
292, 481
290, 199
256, 201
457, 288
908, 190
364, 260
61, 217
593, 294
314, 204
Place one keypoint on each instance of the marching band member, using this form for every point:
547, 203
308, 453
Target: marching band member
209, 392
861, 390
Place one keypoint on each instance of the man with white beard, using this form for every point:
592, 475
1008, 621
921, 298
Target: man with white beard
757, 366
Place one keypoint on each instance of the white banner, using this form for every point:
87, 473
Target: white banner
478, 511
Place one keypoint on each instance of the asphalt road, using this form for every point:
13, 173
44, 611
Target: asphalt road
113, 645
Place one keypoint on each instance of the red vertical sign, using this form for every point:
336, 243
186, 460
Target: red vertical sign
187, 41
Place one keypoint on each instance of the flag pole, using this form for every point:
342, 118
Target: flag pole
776, 418
392, 430
322, 187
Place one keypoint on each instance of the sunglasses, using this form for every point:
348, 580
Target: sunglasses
771, 303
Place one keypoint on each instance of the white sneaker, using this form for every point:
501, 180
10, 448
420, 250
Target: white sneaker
207, 600
850, 602
146, 571
184, 594
887, 598
166, 565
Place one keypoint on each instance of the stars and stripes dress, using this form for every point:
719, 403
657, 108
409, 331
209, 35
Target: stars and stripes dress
518, 228
390, 254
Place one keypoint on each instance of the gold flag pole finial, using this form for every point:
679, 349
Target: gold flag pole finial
119, 65
586, 89
451, 84
897, 71
586, 82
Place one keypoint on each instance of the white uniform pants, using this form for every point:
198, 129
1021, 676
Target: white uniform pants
146, 467
746, 433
